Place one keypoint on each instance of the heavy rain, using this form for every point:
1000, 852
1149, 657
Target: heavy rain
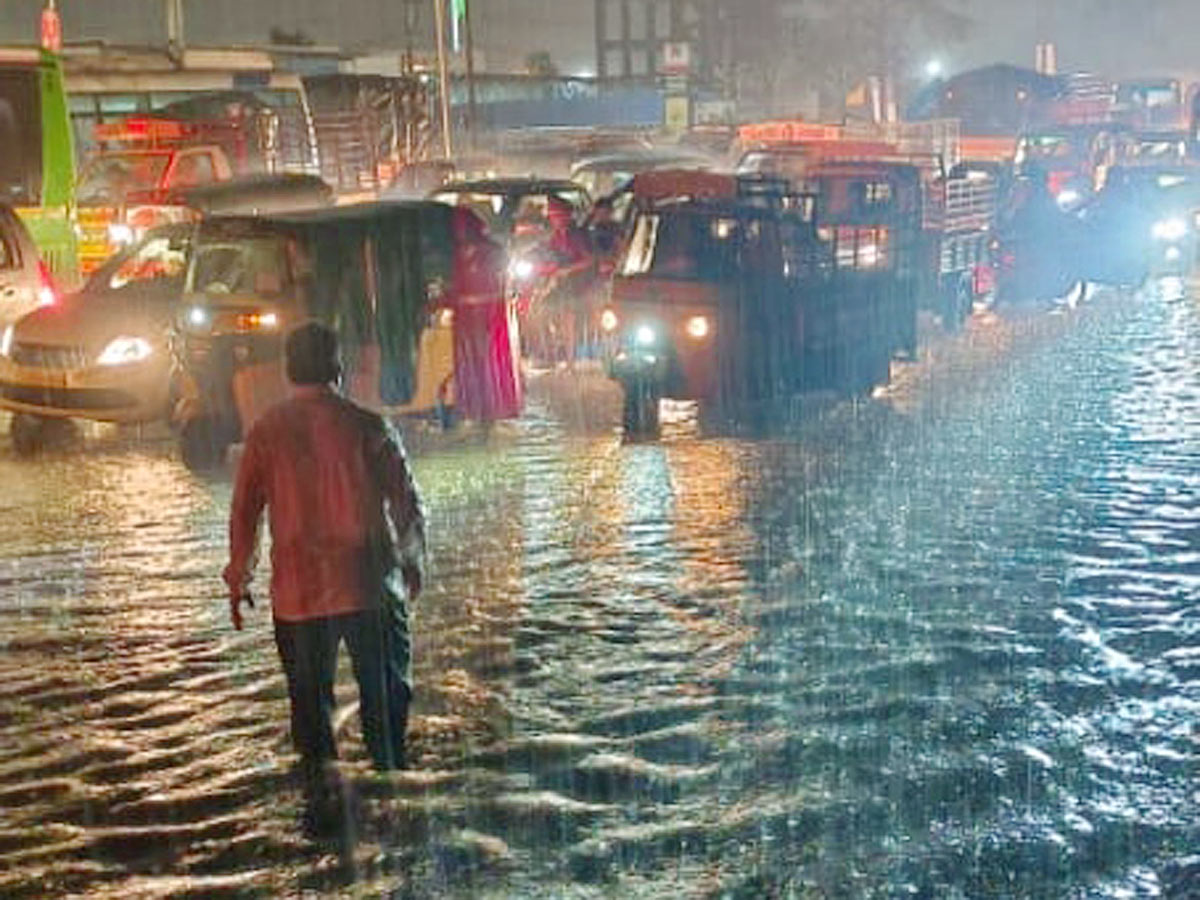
803, 402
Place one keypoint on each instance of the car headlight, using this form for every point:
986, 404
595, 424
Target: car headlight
197, 317
697, 327
1169, 229
6, 341
120, 233
645, 336
609, 320
125, 350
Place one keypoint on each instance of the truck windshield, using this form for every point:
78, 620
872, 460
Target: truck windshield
113, 177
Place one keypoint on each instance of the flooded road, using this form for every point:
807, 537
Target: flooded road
943, 643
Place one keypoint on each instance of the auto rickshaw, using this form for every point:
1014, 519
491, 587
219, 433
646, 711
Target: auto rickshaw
377, 273
733, 301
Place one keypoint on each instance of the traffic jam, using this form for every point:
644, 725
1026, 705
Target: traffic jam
770, 504
798, 259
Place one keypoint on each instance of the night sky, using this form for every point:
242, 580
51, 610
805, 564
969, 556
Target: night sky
1117, 37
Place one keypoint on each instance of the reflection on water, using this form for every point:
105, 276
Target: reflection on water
941, 643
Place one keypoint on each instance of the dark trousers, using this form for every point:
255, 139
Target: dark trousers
380, 654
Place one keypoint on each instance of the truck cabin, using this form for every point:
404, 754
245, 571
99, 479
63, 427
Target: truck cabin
152, 161
868, 212
1071, 158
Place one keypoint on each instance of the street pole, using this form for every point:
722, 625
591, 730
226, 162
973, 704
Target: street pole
439, 13
469, 47
175, 40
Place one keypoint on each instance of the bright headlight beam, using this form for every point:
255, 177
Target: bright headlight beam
1169, 229
1068, 197
644, 335
697, 327
125, 350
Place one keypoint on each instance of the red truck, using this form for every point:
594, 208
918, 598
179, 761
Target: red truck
141, 181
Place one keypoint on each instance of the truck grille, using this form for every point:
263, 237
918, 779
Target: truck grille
50, 356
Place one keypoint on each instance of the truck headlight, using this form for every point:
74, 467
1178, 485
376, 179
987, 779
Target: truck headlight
697, 327
609, 321
1169, 229
125, 350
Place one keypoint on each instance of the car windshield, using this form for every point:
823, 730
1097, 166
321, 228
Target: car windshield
522, 214
112, 177
1050, 146
489, 207
1160, 149
159, 257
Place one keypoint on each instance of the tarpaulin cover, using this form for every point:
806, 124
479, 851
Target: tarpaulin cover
373, 275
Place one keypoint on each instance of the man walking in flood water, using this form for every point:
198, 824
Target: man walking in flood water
347, 543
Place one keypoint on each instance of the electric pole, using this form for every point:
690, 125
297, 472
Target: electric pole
439, 14
175, 39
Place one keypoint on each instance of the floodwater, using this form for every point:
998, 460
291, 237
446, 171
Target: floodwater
941, 643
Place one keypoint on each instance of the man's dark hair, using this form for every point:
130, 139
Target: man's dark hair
312, 355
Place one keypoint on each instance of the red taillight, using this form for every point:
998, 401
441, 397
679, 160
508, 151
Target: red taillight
47, 293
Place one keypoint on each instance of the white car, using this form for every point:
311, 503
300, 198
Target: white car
25, 282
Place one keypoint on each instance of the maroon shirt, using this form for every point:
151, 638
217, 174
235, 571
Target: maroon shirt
343, 509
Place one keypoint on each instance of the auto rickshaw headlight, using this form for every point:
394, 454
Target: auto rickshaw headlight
123, 351
522, 269
697, 327
1068, 197
609, 320
1169, 229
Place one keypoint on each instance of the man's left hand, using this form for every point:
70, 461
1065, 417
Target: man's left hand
236, 599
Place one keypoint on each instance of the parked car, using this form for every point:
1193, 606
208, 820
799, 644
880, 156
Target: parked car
25, 282
104, 352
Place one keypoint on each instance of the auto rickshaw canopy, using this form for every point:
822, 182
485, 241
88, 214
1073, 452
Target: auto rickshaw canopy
368, 270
